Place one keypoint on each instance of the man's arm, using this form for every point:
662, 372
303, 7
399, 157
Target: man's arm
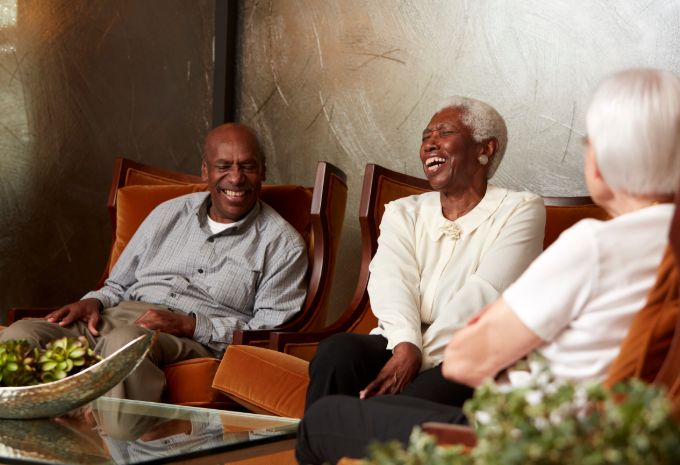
122, 275
492, 342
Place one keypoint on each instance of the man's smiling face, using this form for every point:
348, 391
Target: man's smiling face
234, 170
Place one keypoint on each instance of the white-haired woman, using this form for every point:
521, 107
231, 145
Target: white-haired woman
441, 257
574, 304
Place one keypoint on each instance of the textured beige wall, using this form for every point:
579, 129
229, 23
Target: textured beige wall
353, 81
82, 82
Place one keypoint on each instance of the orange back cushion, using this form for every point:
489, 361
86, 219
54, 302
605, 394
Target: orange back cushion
133, 205
562, 217
135, 202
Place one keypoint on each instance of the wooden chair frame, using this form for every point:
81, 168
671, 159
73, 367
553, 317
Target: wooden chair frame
327, 216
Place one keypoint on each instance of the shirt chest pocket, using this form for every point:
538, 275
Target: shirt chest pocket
235, 289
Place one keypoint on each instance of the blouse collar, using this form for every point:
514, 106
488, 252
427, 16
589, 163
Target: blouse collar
440, 226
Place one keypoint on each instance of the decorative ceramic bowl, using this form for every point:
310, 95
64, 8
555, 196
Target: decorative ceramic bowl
58, 397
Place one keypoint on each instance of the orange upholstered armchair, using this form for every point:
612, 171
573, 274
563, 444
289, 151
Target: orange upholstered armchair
316, 213
276, 367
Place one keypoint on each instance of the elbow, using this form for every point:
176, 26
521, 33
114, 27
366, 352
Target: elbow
464, 373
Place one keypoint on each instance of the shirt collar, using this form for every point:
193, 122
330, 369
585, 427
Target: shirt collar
202, 214
439, 226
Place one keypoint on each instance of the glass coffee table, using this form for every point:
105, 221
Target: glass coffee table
115, 431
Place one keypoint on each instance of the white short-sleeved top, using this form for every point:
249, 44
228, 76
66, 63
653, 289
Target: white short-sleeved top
581, 294
430, 275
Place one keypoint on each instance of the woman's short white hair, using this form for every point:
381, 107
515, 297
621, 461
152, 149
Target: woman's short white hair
484, 123
633, 124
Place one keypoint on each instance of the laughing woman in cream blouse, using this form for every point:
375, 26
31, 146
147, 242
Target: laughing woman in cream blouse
441, 257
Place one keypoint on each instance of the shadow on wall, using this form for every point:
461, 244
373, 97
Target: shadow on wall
82, 82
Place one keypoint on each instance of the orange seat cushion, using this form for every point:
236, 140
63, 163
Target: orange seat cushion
189, 383
263, 380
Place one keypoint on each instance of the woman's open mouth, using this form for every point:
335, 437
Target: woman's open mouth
433, 164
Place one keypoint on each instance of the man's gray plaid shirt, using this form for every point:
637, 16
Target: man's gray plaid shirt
250, 276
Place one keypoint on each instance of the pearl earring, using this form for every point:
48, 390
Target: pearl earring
483, 159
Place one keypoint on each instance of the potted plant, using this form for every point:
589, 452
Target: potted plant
22, 365
549, 422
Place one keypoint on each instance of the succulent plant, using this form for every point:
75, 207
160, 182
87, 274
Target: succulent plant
63, 355
17, 364
22, 365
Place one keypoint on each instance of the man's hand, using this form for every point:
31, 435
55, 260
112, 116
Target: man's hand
86, 310
169, 322
399, 370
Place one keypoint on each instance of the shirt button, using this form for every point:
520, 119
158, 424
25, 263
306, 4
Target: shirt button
200, 270
172, 294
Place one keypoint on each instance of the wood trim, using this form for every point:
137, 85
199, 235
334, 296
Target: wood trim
329, 179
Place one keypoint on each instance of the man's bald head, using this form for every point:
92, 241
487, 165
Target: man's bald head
228, 131
234, 168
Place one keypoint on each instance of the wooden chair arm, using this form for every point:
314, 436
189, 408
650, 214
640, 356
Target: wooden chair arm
346, 323
19, 313
278, 339
260, 337
449, 434
257, 337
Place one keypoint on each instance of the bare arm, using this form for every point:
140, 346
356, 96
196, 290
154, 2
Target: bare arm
494, 341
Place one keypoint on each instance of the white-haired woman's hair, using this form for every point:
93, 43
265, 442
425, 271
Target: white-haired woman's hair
484, 123
633, 124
